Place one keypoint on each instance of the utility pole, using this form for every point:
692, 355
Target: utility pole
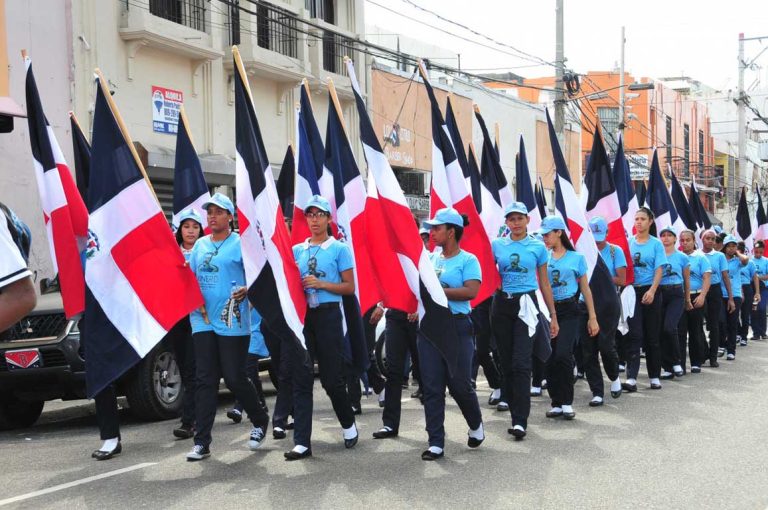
559, 72
621, 86
742, 140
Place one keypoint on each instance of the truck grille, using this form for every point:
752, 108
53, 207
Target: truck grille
37, 326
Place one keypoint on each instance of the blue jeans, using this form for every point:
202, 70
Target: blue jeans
435, 378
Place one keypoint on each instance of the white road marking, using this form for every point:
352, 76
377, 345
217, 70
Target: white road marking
75, 483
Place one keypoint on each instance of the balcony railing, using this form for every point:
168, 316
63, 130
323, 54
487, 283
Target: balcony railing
276, 30
190, 13
335, 47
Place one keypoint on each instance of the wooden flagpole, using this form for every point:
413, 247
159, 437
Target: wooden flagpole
337, 105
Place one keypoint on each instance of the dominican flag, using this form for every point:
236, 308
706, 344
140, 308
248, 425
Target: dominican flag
138, 284
541, 200
743, 228
449, 189
604, 295
524, 189
471, 174
64, 213
190, 190
492, 212
641, 191
699, 213
402, 262
310, 158
274, 283
624, 190
681, 204
285, 182
491, 172
82, 150
658, 200
761, 221
602, 199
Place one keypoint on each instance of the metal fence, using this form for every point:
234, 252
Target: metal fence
190, 13
335, 47
276, 30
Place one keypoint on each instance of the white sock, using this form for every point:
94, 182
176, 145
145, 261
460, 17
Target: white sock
677, 368
300, 449
386, 428
496, 394
351, 432
597, 399
556, 410
567, 409
277, 429
109, 444
655, 380
535, 389
381, 396
543, 382
632, 382
616, 385
436, 450
477, 433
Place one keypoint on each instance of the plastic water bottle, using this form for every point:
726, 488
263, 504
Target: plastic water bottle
232, 305
312, 300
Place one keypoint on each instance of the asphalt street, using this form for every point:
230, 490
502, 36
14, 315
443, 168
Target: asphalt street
700, 443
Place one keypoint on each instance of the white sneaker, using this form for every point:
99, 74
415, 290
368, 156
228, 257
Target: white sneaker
199, 452
257, 438
535, 391
730, 357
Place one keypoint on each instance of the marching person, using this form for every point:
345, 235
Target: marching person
761, 270
714, 307
326, 267
645, 325
605, 342
691, 326
567, 271
17, 292
675, 294
522, 262
180, 336
734, 263
221, 330
750, 291
460, 276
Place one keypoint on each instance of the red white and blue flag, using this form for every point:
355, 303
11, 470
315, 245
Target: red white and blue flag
761, 221
601, 199
541, 200
407, 276
82, 150
471, 174
699, 213
274, 283
490, 167
680, 201
138, 284
624, 190
449, 189
491, 209
190, 190
524, 189
658, 199
64, 212
286, 182
744, 229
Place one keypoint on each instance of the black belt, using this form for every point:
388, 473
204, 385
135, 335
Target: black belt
511, 295
324, 306
672, 286
460, 316
572, 299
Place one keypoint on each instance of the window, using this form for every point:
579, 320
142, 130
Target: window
701, 153
412, 183
322, 9
190, 13
668, 139
686, 150
609, 122
276, 29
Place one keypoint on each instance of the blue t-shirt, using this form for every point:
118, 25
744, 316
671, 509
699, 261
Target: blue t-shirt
647, 257
672, 274
747, 273
453, 272
734, 269
257, 345
699, 266
325, 261
761, 268
564, 274
518, 261
615, 260
717, 263
216, 266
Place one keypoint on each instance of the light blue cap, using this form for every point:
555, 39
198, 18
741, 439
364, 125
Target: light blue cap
515, 207
319, 203
669, 229
550, 223
423, 230
222, 201
599, 228
718, 229
190, 214
448, 215
730, 239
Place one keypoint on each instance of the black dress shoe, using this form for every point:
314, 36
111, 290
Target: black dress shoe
350, 443
569, 415
554, 414
595, 403
278, 433
430, 455
474, 442
655, 386
714, 363
519, 433
289, 426
668, 376
384, 434
493, 401
695, 370
292, 455
629, 388
679, 373
184, 432
102, 455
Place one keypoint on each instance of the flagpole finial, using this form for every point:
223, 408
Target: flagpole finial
24, 53
476, 108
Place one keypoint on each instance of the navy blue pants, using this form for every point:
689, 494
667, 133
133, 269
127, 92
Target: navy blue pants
758, 316
731, 324
748, 293
690, 331
282, 359
560, 364
180, 338
674, 305
398, 336
435, 378
644, 331
713, 310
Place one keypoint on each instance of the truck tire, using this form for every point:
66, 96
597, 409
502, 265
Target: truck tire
153, 388
18, 414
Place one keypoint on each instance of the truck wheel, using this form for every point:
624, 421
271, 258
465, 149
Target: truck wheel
153, 389
17, 414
